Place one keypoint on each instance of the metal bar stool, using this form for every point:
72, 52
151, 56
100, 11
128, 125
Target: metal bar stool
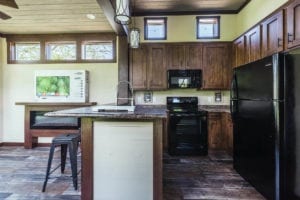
65, 141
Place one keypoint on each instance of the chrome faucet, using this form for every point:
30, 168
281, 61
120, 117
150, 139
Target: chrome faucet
131, 91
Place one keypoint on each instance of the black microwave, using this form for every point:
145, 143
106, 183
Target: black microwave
184, 78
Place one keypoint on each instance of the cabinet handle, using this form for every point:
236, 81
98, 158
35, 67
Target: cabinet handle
290, 38
279, 42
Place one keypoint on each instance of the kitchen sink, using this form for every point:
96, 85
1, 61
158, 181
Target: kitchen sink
110, 108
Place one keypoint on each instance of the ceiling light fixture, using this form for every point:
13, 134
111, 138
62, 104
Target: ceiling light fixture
91, 16
134, 38
134, 35
122, 12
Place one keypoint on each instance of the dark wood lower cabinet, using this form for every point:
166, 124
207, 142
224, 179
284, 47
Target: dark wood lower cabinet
220, 136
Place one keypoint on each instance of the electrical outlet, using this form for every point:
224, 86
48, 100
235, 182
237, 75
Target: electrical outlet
148, 97
218, 97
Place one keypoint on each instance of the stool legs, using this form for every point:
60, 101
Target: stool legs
48, 166
73, 158
63, 156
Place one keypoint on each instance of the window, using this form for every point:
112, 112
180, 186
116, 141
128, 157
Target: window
61, 51
155, 28
64, 48
27, 51
97, 50
208, 27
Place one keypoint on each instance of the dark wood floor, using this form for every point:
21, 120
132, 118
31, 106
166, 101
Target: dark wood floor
211, 177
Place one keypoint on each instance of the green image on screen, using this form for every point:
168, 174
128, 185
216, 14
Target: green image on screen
52, 86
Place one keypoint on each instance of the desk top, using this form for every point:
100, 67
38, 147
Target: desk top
56, 103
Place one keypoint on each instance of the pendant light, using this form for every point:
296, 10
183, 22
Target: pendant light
122, 12
134, 36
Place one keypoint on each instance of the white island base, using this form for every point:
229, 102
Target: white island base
123, 160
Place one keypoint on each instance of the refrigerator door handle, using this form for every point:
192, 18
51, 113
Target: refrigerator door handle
233, 88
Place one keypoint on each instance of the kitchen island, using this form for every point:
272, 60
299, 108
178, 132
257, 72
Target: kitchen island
121, 152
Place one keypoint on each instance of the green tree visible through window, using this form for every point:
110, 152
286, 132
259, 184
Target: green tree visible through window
61, 51
97, 51
27, 51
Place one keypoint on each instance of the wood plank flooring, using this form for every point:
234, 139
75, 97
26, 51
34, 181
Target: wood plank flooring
212, 177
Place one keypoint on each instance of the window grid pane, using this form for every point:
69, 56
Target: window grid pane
27, 51
155, 28
61, 51
97, 51
208, 27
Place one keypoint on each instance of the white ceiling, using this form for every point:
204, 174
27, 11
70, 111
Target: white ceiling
54, 16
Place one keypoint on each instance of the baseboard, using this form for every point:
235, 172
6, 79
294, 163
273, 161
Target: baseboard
17, 144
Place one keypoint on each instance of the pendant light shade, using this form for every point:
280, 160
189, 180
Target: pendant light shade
122, 12
134, 38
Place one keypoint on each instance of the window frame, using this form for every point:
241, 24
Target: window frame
146, 37
48, 50
14, 51
208, 17
93, 42
43, 39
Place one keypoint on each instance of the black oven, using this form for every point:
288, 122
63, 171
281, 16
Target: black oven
187, 128
184, 78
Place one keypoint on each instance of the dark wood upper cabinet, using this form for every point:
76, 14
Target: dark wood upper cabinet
293, 24
138, 67
253, 41
239, 49
148, 67
272, 34
184, 56
156, 70
216, 65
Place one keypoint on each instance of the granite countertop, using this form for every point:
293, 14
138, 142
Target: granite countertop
141, 112
215, 108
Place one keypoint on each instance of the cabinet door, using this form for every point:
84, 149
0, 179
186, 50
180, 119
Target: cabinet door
272, 34
239, 48
253, 41
228, 132
216, 66
175, 56
193, 56
215, 133
138, 68
157, 78
293, 24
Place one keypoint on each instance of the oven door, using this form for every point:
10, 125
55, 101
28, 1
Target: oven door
187, 134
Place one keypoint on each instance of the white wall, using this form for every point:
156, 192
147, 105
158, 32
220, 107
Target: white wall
18, 85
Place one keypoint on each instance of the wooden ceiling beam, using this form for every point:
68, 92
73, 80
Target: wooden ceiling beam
109, 12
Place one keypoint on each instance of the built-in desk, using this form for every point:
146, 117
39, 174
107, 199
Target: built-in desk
48, 128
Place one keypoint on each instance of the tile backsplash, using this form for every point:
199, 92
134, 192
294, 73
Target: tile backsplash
204, 97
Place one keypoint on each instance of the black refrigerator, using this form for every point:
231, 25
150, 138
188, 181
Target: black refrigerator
265, 108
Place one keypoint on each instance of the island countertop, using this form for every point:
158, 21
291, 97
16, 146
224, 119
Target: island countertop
92, 124
141, 112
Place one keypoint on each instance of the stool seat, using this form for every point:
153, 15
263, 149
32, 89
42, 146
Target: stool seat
70, 140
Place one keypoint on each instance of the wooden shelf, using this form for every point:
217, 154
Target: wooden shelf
31, 135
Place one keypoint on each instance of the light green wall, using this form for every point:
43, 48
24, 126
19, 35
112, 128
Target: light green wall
1, 93
18, 85
254, 12
183, 28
